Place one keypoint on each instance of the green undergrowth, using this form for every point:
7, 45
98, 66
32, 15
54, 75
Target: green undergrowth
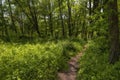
94, 64
40, 61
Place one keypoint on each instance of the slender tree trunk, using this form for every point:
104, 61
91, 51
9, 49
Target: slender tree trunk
61, 18
95, 5
51, 19
90, 20
46, 30
11, 15
51, 23
20, 5
1, 15
3, 23
84, 31
21, 24
90, 7
84, 27
94, 12
34, 17
69, 18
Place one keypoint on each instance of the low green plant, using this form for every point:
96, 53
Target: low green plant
40, 61
94, 63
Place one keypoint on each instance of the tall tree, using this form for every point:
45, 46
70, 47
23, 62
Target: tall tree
96, 10
112, 10
90, 34
11, 15
50, 15
69, 18
33, 12
4, 26
95, 5
61, 17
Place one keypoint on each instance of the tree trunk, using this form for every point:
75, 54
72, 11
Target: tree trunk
95, 5
11, 15
90, 8
34, 17
113, 30
90, 20
46, 30
3, 23
51, 19
69, 18
61, 18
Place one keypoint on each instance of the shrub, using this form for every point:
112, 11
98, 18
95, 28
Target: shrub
31, 61
94, 64
40, 61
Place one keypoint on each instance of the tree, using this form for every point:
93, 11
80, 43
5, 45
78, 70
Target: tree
3, 23
61, 17
11, 16
69, 18
31, 5
113, 30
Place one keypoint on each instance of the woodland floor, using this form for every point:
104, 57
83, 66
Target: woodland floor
73, 68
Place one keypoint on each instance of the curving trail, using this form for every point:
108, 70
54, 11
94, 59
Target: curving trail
73, 67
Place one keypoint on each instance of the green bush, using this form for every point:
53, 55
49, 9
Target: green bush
30, 62
40, 61
94, 63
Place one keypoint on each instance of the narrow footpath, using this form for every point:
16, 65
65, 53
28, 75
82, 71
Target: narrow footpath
73, 68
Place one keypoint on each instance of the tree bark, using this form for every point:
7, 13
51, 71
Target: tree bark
34, 17
61, 18
113, 30
51, 19
95, 5
4, 23
11, 15
69, 18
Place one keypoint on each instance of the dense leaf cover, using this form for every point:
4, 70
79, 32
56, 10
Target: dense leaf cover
35, 61
94, 63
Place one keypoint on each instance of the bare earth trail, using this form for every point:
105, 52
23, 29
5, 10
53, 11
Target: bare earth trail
73, 67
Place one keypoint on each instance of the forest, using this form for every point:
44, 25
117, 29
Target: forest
59, 39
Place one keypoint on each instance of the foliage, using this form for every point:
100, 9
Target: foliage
94, 63
33, 32
34, 61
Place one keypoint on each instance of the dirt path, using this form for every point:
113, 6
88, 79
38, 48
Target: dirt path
73, 67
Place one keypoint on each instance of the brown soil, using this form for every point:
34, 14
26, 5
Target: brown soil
73, 68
